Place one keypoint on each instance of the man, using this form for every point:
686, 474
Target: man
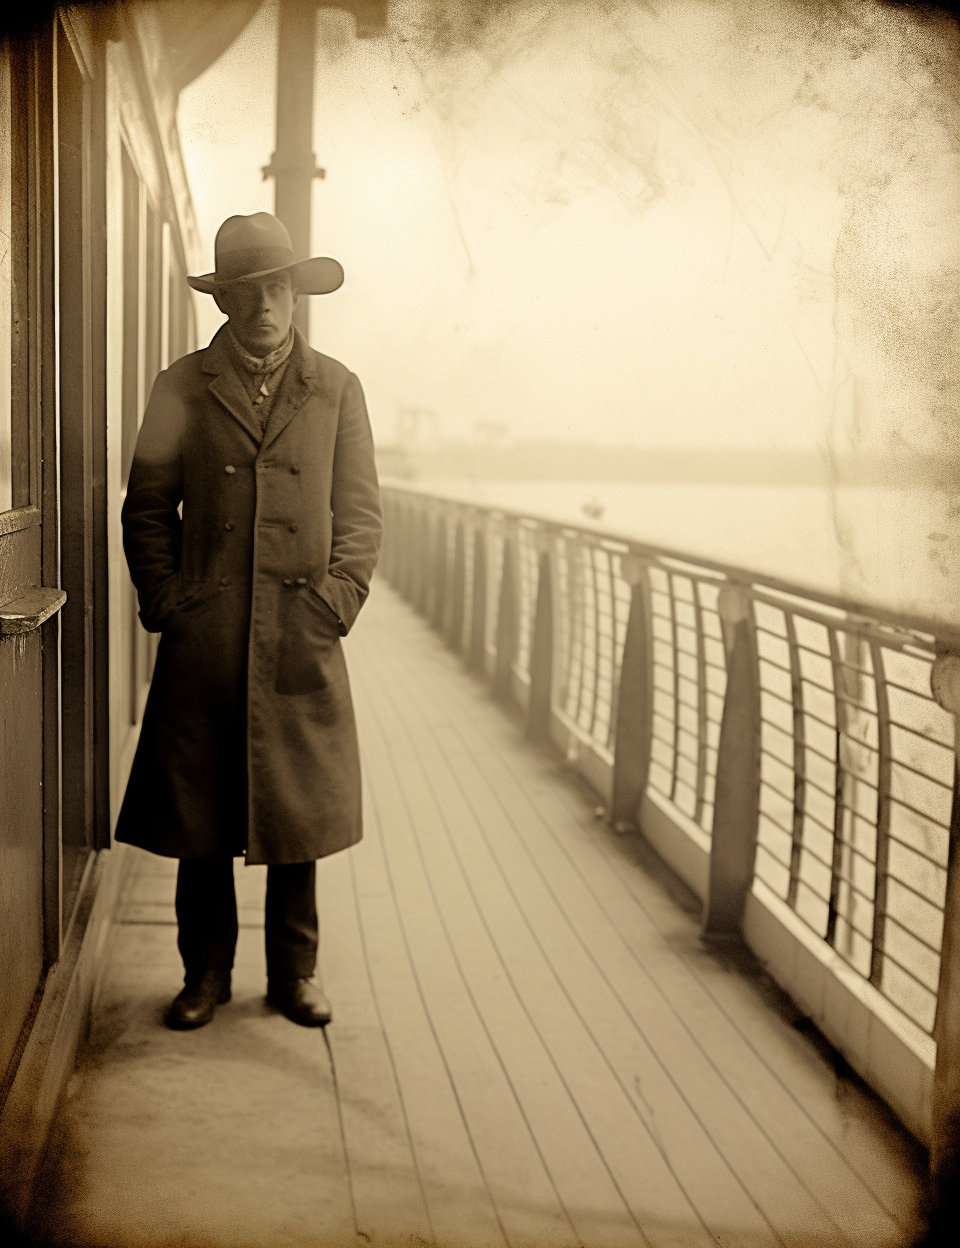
251, 527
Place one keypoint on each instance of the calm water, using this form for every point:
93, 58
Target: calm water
896, 548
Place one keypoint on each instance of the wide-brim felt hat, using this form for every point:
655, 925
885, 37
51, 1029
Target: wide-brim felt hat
258, 245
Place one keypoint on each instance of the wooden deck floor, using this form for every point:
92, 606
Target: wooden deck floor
530, 1047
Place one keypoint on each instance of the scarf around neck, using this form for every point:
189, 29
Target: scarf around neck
266, 363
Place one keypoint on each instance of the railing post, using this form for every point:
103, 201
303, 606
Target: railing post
458, 588
411, 539
736, 810
945, 1133
478, 608
507, 623
439, 564
401, 514
634, 726
387, 566
421, 597
540, 705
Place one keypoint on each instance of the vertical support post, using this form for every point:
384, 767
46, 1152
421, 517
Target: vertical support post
406, 538
540, 705
385, 563
799, 763
507, 623
424, 545
293, 165
409, 567
884, 782
439, 562
478, 609
945, 1135
736, 811
458, 588
634, 726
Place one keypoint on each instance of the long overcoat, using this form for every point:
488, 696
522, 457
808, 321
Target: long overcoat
251, 552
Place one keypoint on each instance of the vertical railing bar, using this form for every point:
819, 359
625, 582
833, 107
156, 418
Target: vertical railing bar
416, 530
675, 642
468, 553
478, 600
423, 556
508, 617
614, 675
799, 761
701, 705
410, 544
458, 592
883, 817
440, 560
596, 642
399, 544
840, 788
410, 548
579, 618
563, 592
531, 580
542, 647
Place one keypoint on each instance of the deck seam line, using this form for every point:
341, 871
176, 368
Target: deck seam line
343, 1137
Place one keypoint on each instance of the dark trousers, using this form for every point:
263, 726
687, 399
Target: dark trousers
207, 917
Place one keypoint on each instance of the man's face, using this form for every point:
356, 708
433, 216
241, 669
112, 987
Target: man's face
260, 311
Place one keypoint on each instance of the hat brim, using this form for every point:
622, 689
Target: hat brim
317, 276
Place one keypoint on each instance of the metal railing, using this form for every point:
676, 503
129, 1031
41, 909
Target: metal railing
796, 731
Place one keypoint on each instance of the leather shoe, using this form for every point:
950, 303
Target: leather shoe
300, 1000
194, 1005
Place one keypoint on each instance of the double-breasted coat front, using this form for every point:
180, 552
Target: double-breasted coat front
251, 551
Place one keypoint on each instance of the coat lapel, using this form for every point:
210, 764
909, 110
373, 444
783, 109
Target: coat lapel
299, 382
227, 386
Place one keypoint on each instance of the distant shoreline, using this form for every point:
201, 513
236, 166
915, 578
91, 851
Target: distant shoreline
570, 461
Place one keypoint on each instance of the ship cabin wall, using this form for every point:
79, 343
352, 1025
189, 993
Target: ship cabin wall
93, 304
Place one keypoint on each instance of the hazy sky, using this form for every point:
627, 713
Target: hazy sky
689, 223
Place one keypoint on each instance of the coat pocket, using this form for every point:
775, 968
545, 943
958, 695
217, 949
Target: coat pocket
309, 634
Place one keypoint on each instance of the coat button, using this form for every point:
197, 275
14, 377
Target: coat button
224, 580
287, 581
229, 470
294, 528
301, 580
294, 469
229, 527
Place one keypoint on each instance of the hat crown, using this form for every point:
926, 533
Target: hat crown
259, 245
260, 229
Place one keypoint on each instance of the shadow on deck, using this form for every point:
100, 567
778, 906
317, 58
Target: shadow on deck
531, 1044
